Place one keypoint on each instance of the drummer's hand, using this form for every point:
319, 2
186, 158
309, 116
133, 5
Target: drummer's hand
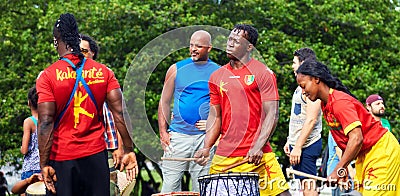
117, 156
203, 156
255, 156
49, 177
129, 163
35, 178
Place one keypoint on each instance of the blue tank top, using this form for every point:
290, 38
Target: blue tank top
191, 95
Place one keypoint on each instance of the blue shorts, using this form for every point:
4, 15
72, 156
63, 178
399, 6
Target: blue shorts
28, 174
308, 159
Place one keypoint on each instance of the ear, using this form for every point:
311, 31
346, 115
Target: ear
317, 80
209, 48
250, 47
368, 108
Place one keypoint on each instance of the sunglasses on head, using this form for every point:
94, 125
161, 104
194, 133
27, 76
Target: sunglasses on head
84, 51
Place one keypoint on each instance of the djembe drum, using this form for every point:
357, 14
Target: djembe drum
180, 193
36, 189
234, 183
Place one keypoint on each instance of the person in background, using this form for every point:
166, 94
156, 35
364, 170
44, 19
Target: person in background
21, 186
90, 49
334, 156
375, 105
186, 82
72, 91
3, 185
304, 143
29, 147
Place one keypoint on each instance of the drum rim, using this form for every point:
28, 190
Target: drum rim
230, 174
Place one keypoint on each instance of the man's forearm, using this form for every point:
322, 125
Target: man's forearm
45, 140
123, 131
305, 132
269, 124
212, 134
164, 114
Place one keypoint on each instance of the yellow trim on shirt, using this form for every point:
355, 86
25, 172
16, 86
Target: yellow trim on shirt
351, 127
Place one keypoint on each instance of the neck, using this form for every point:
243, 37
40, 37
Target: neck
65, 53
324, 93
34, 113
377, 118
200, 62
237, 64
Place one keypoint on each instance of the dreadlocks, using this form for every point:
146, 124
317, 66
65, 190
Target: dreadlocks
317, 69
66, 28
250, 33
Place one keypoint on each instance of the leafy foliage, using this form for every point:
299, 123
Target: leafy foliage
358, 40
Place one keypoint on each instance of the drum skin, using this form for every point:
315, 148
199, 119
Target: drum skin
233, 183
36, 189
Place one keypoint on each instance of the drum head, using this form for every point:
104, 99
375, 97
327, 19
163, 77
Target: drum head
36, 189
180, 193
229, 174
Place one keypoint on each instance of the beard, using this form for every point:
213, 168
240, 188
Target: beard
379, 114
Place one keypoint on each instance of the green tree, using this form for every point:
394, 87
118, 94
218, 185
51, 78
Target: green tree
358, 40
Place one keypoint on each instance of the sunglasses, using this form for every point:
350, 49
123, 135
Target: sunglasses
84, 51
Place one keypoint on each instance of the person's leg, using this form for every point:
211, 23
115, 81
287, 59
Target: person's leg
172, 171
308, 164
95, 174
195, 169
381, 168
272, 179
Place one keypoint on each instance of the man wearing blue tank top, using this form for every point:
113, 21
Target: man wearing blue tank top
187, 83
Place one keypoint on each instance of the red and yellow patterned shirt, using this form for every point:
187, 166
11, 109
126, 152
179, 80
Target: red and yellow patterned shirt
80, 130
240, 94
343, 113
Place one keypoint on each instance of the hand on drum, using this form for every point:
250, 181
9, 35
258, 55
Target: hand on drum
49, 177
129, 163
203, 156
35, 178
338, 176
255, 156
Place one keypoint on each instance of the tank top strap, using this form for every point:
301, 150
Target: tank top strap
34, 120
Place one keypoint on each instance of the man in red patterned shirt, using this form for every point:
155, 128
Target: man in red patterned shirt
73, 155
243, 113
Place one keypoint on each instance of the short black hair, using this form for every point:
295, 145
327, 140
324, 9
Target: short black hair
92, 44
305, 53
251, 33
